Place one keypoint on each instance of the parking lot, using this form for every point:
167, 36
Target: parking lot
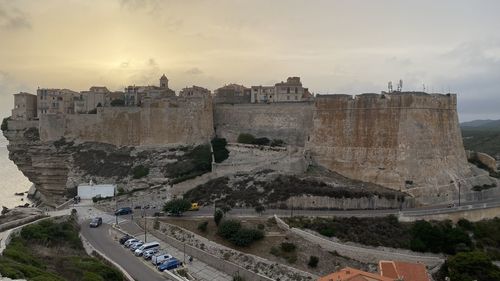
197, 269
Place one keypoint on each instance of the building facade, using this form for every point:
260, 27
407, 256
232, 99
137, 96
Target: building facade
56, 101
134, 95
25, 106
289, 91
194, 91
232, 93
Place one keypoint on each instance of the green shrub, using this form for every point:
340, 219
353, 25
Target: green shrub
261, 141
275, 251
202, 226
228, 228
277, 142
328, 232
140, 171
218, 215
246, 138
5, 125
261, 226
288, 247
92, 111
177, 206
260, 209
472, 266
291, 258
220, 151
243, 238
313, 261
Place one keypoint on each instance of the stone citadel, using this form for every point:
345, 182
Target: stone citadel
407, 141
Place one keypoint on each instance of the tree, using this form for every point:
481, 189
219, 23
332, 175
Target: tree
177, 206
313, 261
260, 209
468, 266
246, 138
228, 228
218, 215
220, 151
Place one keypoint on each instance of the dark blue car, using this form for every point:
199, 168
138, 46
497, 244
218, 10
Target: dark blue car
123, 211
169, 264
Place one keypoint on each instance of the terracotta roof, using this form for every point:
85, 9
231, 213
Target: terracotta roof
351, 274
404, 270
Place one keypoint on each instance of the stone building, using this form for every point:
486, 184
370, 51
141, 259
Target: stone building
232, 93
194, 91
134, 95
56, 101
91, 99
289, 91
25, 106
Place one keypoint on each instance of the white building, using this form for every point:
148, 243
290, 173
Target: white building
89, 191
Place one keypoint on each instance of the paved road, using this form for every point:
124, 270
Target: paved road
102, 240
421, 211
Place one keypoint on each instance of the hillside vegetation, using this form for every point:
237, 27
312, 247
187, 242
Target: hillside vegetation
482, 136
52, 251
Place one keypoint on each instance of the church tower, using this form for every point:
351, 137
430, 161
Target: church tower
164, 82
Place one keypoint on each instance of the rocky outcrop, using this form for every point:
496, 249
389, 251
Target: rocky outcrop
57, 167
405, 141
483, 160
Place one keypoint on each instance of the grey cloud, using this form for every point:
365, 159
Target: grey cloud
194, 71
13, 19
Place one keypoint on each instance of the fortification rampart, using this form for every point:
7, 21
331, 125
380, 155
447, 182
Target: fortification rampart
399, 140
181, 122
290, 122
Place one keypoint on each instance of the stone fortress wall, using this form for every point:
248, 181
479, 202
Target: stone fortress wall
399, 140
290, 122
181, 121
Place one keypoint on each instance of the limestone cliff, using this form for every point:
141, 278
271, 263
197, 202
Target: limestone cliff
406, 141
57, 167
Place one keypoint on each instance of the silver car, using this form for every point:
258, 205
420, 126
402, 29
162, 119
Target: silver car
150, 253
136, 245
130, 241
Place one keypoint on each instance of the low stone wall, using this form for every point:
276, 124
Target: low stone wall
364, 254
230, 261
324, 202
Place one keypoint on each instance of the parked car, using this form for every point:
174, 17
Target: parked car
159, 258
129, 242
169, 264
125, 238
148, 254
174, 214
95, 222
148, 246
123, 211
136, 245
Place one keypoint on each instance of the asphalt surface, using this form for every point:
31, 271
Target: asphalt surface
101, 239
208, 211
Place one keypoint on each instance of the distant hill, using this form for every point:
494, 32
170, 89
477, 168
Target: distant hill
482, 136
481, 124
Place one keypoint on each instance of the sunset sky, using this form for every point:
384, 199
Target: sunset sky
340, 47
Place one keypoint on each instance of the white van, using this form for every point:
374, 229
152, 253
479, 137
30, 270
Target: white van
148, 246
158, 259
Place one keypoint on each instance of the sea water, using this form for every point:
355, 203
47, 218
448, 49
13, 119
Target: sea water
11, 179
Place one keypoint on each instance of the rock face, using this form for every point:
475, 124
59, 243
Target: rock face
403, 141
57, 167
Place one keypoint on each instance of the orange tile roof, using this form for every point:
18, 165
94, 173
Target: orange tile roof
351, 274
404, 270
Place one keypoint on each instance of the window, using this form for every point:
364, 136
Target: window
296, 98
296, 90
288, 90
288, 97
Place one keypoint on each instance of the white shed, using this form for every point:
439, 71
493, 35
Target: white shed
88, 191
